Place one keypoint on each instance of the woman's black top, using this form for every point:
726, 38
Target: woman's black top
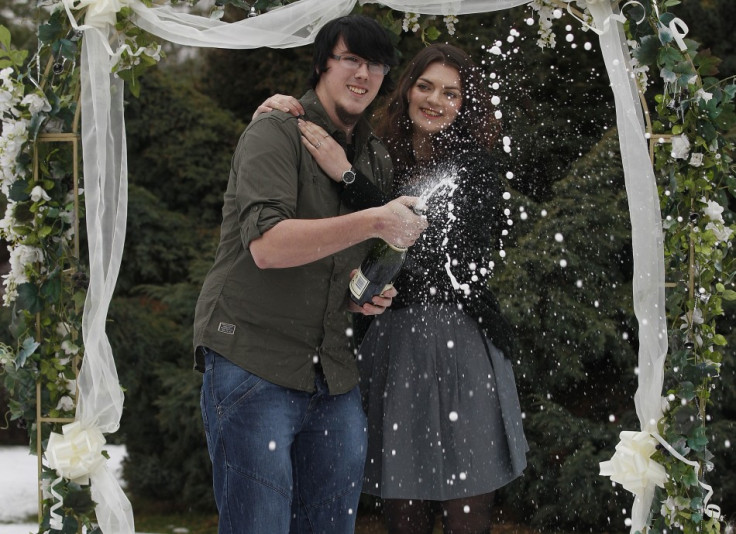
452, 260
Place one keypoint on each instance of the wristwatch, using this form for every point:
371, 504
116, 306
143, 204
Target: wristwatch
348, 177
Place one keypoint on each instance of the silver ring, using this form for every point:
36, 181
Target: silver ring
318, 145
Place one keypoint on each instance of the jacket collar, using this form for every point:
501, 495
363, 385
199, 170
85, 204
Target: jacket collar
315, 112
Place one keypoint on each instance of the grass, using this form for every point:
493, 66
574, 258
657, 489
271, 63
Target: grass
151, 520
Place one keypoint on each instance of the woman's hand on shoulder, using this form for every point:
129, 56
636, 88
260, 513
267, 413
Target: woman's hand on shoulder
285, 103
327, 152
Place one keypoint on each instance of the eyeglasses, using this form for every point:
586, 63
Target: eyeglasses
354, 63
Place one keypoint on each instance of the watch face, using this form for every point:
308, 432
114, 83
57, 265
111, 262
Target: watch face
348, 177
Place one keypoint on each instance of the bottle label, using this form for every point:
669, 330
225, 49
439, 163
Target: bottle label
358, 284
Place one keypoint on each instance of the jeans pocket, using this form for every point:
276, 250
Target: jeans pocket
230, 383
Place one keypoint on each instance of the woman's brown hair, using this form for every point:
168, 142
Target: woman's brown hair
475, 125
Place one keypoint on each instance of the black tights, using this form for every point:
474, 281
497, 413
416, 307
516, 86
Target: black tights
471, 515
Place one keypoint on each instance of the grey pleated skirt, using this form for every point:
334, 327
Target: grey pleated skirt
443, 411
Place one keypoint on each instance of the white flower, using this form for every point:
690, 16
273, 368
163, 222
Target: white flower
38, 193
411, 20
697, 318
672, 505
22, 257
65, 403
7, 224
13, 137
69, 348
5, 75
153, 53
713, 210
721, 232
450, 21
6, 356
36, 103
680, 146
703, 95
63, 329
696, 159
11, 92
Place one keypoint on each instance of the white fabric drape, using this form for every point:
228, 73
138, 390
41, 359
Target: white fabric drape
100, 399
105, 176
646, 237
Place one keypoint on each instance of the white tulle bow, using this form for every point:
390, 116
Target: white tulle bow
632, 465
77, 453
100, 13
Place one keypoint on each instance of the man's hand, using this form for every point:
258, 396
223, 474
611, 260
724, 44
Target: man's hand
400, 225
378, 304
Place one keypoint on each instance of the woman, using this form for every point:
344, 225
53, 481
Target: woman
445, 426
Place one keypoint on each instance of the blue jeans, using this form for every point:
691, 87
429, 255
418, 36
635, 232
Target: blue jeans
284, 461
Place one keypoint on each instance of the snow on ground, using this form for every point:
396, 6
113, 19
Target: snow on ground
19, 487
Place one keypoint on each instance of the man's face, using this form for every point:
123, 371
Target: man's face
346, 92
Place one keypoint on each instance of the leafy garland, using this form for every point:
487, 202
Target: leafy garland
46, 285
693, 159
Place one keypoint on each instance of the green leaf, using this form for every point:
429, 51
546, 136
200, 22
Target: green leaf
697, 441
729, 294
68, 49
28, 347
433, 33
51, 289
669, 57
28, 298
18, 191
48, 32
648, 50
5, 37
707, 64
79, 499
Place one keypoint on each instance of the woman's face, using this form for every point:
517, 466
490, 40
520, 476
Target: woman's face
435, 99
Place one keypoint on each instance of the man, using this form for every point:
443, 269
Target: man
282, 413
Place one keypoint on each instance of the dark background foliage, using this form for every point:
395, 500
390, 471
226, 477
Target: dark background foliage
576, 330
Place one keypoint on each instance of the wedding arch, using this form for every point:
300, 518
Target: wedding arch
108, 51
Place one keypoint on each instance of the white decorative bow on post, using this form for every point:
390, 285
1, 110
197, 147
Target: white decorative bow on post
75, 455
632, 465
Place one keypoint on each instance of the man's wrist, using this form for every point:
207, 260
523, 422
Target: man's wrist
348, 177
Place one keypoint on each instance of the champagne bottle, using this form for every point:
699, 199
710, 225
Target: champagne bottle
377, 272
380, 267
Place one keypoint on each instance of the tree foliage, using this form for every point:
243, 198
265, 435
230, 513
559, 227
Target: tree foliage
575, 324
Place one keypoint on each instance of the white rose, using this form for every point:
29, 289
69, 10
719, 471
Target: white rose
680, 146
723, 233
65, 403
713, 210
38, 193
36, 103
696, 159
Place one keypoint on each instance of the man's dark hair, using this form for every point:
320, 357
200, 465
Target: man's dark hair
363, 36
